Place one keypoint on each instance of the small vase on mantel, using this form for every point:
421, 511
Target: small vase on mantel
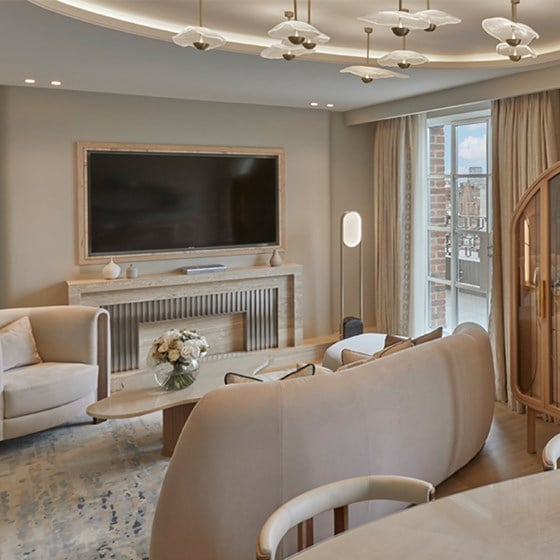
111, 270
131, 271
276, 259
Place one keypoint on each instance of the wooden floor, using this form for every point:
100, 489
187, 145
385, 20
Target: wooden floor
504, 455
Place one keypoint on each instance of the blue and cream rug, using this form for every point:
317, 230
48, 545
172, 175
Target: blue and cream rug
81, 491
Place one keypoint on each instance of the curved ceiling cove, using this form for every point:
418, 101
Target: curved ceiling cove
448, 40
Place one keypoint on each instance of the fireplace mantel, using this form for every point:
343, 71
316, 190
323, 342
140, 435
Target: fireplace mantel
241, 309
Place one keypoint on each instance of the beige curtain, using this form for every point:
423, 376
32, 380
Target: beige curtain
525, 141
396, 167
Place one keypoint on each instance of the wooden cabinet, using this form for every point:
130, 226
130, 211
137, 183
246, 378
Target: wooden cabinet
535, 301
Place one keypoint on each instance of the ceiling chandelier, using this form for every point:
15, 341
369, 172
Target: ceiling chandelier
403, 58
369, 73
296, 37
436, 18
400, 21
514, 37
199, 37
299, 37
283, 50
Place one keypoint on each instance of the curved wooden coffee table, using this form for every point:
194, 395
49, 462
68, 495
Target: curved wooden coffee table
141, 396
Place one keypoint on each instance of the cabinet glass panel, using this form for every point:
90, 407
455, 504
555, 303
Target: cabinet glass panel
555, 288
529, 325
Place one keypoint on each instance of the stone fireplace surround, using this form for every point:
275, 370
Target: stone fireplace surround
238, 310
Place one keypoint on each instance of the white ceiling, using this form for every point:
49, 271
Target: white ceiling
44, 45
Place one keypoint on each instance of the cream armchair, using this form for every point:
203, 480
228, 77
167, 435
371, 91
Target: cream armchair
73, 344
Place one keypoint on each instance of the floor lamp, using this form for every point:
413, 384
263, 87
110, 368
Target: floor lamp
351, 237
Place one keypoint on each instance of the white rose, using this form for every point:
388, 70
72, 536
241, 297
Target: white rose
164, 347
171, 335
190, 350
173, 355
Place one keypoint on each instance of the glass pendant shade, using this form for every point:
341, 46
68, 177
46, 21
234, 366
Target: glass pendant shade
298, 32
398, 20
370, 73
508, 31
436, 18
284, 50
403, 59
200, 38
515, 54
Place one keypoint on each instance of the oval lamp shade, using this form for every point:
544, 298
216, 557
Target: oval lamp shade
351, 229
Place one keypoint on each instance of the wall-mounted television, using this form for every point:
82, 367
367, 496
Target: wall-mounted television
167, 201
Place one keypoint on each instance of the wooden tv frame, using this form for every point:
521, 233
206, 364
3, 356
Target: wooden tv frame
84, 147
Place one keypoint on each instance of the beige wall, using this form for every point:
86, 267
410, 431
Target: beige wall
352, 177
531, 81
38, 131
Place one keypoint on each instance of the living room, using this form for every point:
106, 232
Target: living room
329, 163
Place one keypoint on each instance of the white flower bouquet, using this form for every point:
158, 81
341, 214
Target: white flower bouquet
174, 357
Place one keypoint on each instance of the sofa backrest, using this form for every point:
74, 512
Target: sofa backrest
248, 448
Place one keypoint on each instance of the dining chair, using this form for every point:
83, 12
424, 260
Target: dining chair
337, 496
551, 454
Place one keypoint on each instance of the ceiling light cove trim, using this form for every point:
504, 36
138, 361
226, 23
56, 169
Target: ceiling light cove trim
119, 20
127, 22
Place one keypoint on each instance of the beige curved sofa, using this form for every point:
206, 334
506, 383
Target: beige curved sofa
247, 448
73, 343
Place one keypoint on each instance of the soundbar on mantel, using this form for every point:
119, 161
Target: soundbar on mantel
202, 268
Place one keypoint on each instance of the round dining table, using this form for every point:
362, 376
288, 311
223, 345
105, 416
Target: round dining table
510, 520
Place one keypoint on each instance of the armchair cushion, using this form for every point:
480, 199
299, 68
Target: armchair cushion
18, 344
44, 386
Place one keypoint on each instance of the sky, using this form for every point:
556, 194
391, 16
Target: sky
471, 147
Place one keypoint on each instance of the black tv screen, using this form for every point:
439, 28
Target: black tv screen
150, 202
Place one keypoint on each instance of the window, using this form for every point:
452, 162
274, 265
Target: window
458, 221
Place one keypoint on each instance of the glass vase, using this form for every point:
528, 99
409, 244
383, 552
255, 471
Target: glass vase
178, 375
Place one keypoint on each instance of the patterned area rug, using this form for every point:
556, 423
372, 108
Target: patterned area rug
81, 491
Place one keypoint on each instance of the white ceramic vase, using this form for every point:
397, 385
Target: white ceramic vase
276, 259
111, 270
131, 271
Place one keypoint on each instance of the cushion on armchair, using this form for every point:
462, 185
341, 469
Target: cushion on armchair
18, 344
31, 389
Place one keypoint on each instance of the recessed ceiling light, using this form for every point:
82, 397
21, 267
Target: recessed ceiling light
314, 104
330, 105
29, 81
56, 83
